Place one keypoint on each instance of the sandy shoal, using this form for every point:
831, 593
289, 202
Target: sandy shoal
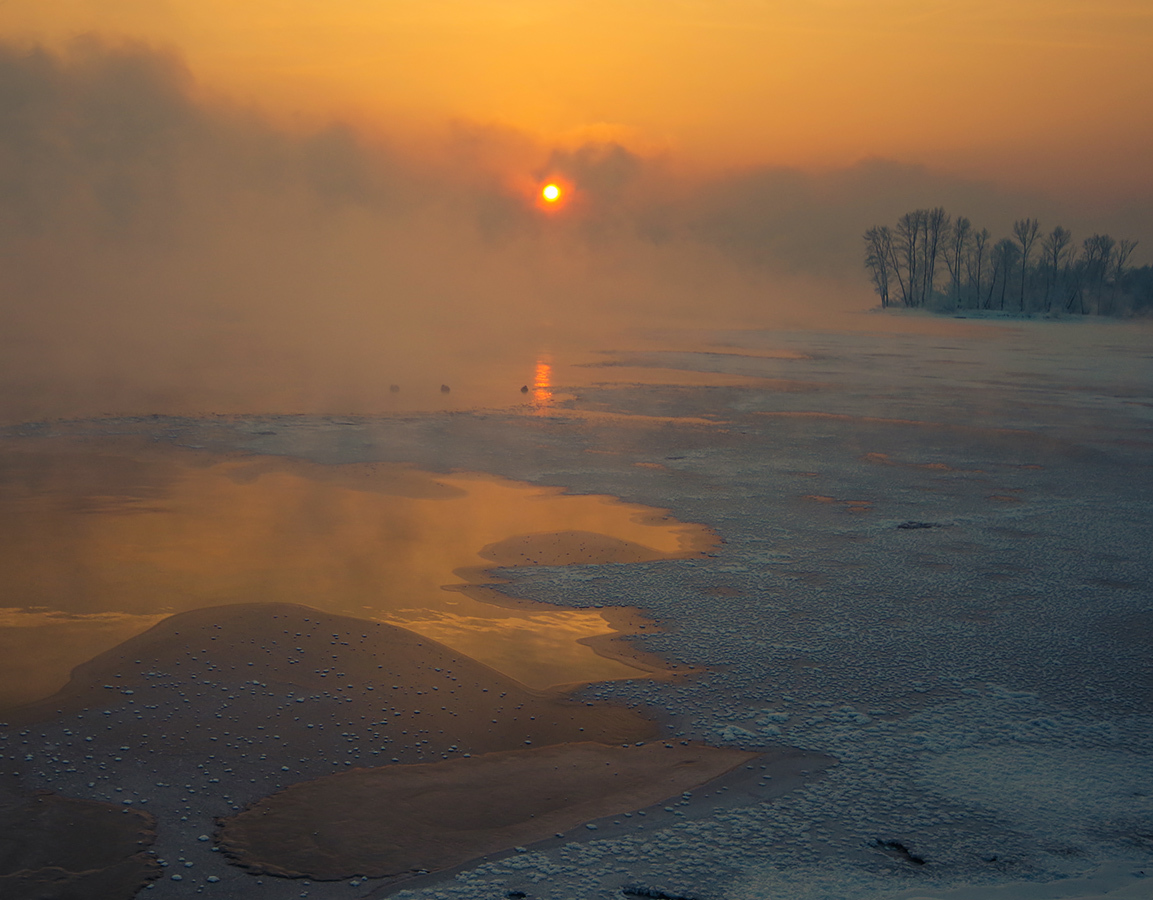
305, 668
70, 849
402, 819
465, 761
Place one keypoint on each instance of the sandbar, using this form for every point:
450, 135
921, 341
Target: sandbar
396, 820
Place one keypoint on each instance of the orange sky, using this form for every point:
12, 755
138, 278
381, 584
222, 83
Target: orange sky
1031, 90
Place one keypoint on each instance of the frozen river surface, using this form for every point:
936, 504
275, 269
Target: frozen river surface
937, 568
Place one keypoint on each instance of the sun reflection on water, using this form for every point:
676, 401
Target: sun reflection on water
542, 386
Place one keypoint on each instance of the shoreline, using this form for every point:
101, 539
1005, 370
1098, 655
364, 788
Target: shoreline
1007, 315
128, 506
236, 694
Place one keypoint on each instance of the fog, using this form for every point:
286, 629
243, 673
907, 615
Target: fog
163, 253
888, 561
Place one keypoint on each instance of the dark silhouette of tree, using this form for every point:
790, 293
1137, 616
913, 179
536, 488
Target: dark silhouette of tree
957, 245
935, 223
1125, 249
902, 261
878, 260
1139, 286
908, 250
1097, 263
917, 247
1055, 254
1025, 231
975, 262
1004, 258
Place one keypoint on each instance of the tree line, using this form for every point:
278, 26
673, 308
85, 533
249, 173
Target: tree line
931, 260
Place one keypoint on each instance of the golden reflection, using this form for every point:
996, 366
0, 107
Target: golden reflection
123, 536
542, 386
38, 648
538, 650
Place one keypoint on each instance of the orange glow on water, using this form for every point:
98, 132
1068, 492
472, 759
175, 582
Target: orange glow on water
542, 386
97, 547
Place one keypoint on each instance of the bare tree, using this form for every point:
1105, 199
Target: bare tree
1125, 249
908, 251
1004, 261
878, 260
960, 236
1091, 279
974, 264
895, 267
1096, 263
1074, 279
1055, 250
1025, 230
934, 223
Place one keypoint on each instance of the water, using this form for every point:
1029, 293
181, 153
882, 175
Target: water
100, 540
983, 681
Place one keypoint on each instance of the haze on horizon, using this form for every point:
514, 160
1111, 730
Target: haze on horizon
286, 206
1031, 92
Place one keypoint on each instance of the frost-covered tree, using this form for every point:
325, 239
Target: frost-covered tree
1004, 259
1025, 231
916, 244
935, 225
1056, 251
907, 249
983, 274
879, 261
1097, 265
1125, 249
960, 236
975, 262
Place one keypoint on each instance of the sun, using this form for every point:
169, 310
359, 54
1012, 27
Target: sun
553, 194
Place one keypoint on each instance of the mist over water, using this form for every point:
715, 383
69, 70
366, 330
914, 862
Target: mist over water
100, 540
164, 254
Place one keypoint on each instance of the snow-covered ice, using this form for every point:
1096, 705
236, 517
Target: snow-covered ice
985, 683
